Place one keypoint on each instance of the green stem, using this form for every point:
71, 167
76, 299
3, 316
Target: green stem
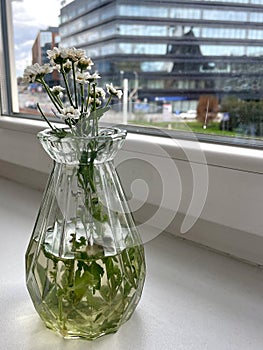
108, 101
60, 308
67, 86
75, 85
94, 119
71, 271
58, 101
51, 96
43, 115
87, 98
82, 97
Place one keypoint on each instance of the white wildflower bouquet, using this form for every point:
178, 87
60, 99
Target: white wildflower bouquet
85, 102
80, 103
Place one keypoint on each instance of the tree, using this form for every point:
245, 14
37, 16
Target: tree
246, 117
207, 108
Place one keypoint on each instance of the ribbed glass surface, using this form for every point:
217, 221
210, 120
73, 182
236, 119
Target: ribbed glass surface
85, 264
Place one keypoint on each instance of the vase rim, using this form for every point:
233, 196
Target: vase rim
104, 133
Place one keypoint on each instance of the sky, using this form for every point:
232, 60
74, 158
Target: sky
29, 16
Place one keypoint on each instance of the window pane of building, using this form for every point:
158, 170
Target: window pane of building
205, 56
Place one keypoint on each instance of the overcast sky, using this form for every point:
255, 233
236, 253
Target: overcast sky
29, 16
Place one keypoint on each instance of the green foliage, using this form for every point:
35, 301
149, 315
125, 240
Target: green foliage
86, 175
97, 286
246, 117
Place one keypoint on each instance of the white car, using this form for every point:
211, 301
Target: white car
191, 114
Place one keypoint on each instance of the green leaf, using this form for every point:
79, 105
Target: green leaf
61, 133
98, 113
109, 266
105, 292
127, 289
97, 272
95, 302
116, 280
97, 211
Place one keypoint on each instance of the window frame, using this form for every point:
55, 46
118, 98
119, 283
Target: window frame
8, 83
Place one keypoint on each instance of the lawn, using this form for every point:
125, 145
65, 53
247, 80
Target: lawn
194, 126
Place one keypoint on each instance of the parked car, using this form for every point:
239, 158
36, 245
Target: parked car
191, 114
31, 104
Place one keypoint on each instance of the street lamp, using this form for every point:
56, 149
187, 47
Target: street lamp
125, 100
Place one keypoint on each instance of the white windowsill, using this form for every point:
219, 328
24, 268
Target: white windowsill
232, 157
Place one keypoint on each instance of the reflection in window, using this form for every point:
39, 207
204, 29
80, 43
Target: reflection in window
255, 34
155, 49
133, 29
230, 50
86, 21
155, 84
156, 66
133, 10
227, 33
256, 17
225, 15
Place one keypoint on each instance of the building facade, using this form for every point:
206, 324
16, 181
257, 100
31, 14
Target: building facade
46, 40
172, 50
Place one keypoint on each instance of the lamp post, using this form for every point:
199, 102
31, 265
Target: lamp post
125, 100
134, 93
136, 84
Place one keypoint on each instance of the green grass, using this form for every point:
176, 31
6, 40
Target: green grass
195, 126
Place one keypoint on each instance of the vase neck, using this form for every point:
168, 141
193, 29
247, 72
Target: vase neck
73, 150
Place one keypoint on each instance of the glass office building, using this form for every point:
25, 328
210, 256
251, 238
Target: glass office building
173, 50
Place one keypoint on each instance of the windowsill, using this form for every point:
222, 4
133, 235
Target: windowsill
193, 298
232, 157
161, 173
30, 126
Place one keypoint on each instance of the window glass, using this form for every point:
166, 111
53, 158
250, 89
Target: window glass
225, 15
35, 31
202, 56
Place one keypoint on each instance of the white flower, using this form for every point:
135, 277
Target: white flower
91, 77
91, 101
99, 92
53, 53
85, 78
75, 54
57, 89
113, 91
84, 63
69, 112
57, 55
34, 72
60, 55
80, 77
67, 66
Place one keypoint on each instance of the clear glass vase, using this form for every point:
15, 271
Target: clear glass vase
85, 265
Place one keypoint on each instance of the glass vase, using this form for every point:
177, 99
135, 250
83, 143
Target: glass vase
85, 265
